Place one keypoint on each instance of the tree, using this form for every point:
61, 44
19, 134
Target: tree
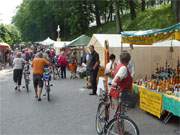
9, 34
132, 9
143, 5
177, 8
97, 14
118, 18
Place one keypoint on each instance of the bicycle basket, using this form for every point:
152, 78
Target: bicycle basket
129, 99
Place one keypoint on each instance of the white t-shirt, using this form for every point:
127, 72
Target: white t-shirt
121, 74
109, 66
18, 63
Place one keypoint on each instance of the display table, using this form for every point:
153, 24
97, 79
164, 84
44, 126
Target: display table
150, 101
156, 103
171, 104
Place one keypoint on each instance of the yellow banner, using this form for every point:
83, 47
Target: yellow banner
151, 102
148, 40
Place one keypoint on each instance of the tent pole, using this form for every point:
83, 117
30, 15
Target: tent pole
121, 46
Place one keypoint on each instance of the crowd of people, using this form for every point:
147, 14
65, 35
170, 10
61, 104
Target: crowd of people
117, 73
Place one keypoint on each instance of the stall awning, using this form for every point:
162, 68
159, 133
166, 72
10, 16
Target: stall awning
82, 40
4, 45
149, 37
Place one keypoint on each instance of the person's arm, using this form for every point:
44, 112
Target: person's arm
121, 74
97, 62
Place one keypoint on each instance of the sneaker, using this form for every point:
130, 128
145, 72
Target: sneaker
15, 88
39, 99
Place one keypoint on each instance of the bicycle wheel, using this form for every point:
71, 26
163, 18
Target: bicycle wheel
48, 93
101, 117
122, 126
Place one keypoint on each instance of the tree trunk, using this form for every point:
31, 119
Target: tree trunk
132, 9
143, 4
121, 9
153, 2
177, 7
110, 12
118, 19
97, 14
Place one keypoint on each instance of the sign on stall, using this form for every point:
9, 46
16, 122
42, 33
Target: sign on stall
150, 101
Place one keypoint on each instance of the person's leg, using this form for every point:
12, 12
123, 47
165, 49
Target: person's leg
92, 82
19, 78
62, 72
15, 74
35, 83
40, 86
65, 72
95, 72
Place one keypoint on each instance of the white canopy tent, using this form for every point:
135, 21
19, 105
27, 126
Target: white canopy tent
167, 43
59, 45
145, 57
47, 42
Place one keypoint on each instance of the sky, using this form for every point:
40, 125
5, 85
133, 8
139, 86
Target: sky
8, 10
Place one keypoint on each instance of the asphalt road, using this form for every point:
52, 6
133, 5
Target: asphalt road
71, 111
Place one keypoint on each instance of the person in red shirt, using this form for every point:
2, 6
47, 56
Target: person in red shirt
62, 62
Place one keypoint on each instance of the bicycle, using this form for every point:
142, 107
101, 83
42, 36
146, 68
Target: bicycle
102, 115
47, 78
121, 124
26, 74
56, 72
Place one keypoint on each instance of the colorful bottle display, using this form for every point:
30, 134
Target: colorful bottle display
165, 79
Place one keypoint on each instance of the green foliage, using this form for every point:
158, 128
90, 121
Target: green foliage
38, 19
154, 18
9, 34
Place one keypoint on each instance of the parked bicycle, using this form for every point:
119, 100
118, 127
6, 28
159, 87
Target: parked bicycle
47, 79
121, 124
26, 73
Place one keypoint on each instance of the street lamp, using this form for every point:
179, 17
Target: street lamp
58, 30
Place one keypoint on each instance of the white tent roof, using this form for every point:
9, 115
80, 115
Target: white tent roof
113, 39
61, 44
47, 42
167, 43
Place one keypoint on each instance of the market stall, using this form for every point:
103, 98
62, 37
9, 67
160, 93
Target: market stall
160, 92
4, 48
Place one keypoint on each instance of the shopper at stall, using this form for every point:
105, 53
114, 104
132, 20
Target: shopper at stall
18, 63
122, 80
109, 69
94, 67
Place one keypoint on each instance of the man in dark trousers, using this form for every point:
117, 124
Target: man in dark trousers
94, 67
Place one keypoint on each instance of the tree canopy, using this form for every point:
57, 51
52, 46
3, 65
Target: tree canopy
9, 34
38, 19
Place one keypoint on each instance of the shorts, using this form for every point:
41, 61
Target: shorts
38, 81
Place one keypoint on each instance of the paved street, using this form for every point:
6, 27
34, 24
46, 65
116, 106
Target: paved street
70, 112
